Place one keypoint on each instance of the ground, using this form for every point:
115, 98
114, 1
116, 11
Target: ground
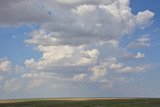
82, 102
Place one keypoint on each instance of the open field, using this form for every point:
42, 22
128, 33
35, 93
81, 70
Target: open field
82, 102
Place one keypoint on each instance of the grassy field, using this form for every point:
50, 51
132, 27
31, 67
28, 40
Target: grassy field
82, 102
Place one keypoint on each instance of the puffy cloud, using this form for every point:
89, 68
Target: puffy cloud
37, 79
40, 37
72, 19
133, 56
68, 36
129, 69
12, 85
139, 55
98, 72
121, 68
110, 21
144, 17
101, 69
63, 56
30, 63
39, 75
79, 76
144, 41
112, 65
34, 84
5, 65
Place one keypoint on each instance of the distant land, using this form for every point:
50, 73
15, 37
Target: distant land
82, 102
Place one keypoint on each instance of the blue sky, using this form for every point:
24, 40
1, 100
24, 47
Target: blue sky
79, 48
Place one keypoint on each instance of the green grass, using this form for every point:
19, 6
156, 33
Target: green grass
141, 102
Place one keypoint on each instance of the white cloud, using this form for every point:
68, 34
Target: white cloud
68, 36
116, 66
37, 79
12, 85
98, 72
34, 84
63, 56
5, 65
134, 56
129, 69
41, 38
112, 65
139, 55
68, 39
144, 41
144, 17
110, 21
39, 75
101, 69
79, 76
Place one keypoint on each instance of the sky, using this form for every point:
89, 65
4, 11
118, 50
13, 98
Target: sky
79, 48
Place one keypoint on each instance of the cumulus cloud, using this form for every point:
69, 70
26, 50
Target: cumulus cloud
134, 56
94, 21
5, 65
144, 41
37, 79
63, 56
40, 75
83, 21
53, 80
12, 85
139, 55
122, 68
144, 17
67, 40
112, 65
35, 83
79, 76
102, 69
68, 34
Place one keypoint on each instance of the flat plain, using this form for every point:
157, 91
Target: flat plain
82, 102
